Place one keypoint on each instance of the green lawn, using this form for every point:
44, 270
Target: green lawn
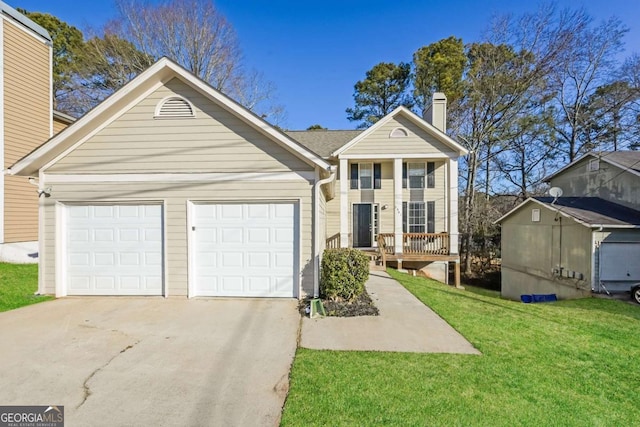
18, 282
570, 363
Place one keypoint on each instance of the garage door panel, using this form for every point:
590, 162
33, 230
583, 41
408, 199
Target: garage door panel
152, 235
232, 284
258, 235
258, 211
230, 212
245, 249
104, 259
231, 235
114, 250
259, 284
258, 260
232, 260
105, 283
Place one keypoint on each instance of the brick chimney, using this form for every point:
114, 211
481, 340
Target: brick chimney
436, 114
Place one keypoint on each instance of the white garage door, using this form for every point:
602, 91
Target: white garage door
245, 250
114, 250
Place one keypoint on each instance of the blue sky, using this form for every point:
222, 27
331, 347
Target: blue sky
315, 51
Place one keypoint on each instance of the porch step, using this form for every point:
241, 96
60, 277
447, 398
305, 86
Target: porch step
375, 267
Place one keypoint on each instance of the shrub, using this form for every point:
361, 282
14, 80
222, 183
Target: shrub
344, 272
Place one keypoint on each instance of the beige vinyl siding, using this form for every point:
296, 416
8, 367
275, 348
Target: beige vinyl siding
333, 213
175, 197
608, 182
417, 141
27, 121
214, 141
58, 126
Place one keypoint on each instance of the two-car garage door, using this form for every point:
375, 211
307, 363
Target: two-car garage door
238, 249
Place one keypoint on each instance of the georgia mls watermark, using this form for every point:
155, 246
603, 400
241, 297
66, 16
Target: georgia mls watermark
31, 416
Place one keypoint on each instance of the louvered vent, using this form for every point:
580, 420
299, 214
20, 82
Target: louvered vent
175, 108
398, 133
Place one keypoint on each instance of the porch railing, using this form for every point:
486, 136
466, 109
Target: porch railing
416, 243
425, 243
333, 242
387, 243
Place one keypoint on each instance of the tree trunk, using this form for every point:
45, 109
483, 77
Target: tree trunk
467, 214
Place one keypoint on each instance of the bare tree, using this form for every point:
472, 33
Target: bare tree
504, 74
107, 63
196, 34
585, 65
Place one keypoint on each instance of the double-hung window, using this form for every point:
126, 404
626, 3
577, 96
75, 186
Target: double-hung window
418, 217
418, 175
366, 176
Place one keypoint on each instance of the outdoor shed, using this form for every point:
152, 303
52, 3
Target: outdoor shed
569, 246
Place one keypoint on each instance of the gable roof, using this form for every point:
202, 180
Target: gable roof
626, 160
147, 81
323, 141
441, 136
592, 212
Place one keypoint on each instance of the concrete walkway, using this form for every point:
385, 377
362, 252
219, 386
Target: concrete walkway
405, 325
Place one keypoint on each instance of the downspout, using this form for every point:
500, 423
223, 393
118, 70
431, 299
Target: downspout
316, 229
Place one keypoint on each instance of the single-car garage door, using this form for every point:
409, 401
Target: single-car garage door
245, 249
114, 249
619, 266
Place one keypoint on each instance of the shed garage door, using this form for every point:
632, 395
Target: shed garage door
619, 264
245, 250
114, 250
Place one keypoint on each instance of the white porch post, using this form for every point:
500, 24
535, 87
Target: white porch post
453, 206
397, 204
344, 203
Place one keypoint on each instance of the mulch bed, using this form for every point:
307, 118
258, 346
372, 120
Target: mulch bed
362, 306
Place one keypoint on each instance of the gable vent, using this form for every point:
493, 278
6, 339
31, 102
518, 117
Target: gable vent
398, 133
174, 107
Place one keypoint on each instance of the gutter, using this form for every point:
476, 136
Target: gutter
316, 228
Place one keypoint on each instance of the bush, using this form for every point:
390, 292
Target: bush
344, 272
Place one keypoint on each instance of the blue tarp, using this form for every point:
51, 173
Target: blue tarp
538, 298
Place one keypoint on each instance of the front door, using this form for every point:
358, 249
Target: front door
362, 225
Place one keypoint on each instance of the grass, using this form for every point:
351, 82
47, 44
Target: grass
570, 363
18, 283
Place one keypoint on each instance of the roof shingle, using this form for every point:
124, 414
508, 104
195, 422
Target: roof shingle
593, 211
323, 142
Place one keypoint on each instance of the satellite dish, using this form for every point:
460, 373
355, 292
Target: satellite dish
555, 192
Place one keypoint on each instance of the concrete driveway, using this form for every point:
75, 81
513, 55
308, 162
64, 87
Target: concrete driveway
151, 361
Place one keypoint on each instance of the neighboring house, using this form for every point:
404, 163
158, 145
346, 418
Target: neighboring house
26, 121
586, 240
171, 188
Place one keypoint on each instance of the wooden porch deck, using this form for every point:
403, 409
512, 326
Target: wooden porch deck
415, 247
418, 247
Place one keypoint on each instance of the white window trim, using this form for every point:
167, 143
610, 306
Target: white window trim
424, 217
535, 215
593, 165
